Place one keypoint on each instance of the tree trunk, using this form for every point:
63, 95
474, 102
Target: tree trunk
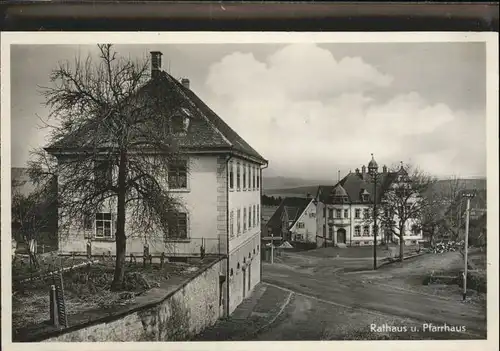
401, 244
433, 236
121, 240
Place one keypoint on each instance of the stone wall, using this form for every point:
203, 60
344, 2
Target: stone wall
182, 314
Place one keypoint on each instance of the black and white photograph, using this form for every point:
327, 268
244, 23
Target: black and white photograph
191, 188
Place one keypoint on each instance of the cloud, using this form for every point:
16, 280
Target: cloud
307, 112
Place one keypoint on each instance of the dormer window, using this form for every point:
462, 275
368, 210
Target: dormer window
180, 121
365, 195
178, 124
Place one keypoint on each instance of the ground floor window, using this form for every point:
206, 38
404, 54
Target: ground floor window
177, 226
103, 225
357, 230
366, 230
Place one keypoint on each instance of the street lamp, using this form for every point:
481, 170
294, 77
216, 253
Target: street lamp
468, 196
373, 171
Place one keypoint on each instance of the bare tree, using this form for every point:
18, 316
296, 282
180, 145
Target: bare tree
31, 215
402, 202
450, 194
113, 145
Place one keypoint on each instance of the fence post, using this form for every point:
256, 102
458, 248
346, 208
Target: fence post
54, 320
162, 259
89, 249
145, 255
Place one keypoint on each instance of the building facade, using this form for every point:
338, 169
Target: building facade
294, 220
218, 185
345, 210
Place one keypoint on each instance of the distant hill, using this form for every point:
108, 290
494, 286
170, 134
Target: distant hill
280, 182
301, 191
444, 185
308, 188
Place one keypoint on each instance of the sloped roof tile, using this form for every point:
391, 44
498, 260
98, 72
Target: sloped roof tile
206, 129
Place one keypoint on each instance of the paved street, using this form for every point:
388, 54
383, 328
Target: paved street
377, 292
318, 295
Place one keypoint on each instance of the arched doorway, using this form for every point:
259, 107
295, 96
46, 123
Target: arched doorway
341, 236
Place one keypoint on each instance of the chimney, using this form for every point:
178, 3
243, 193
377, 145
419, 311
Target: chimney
185, 82
155, 63
384, 169
357, 170
363, 171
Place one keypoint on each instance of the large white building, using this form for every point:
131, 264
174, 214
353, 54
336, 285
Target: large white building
345, 210
219, 186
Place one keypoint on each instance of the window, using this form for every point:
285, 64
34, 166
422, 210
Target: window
254, 178
324, 212
330, 232
244, 177
177, 226
231, 224
238, 176
357, 213
103, 173
300, 225
231, 176
357, 230
258, 214
178, 124
366, 230
299, 237
324, 231
177, 175
258, 178
254, 215
366, 213
312, 214
238, 222
338, 213
250, 217
346, 213
330, 213
245, 219
249, 177
103, 225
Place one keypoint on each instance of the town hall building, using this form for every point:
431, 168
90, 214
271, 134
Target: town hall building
345, 210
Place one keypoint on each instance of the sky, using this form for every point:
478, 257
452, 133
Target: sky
311, 109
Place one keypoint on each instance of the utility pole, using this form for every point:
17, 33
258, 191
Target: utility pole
375, 228
272, 248
466, 244
373, 171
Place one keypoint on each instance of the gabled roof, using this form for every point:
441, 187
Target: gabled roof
356, 183
206, 130
294, 206
291, 213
